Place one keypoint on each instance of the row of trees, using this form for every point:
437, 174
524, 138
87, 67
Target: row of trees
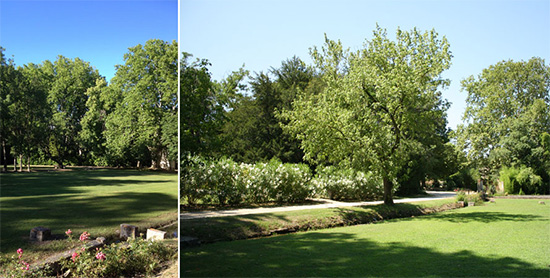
378, 110
65, 112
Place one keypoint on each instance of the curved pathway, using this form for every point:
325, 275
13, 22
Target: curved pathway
433, 195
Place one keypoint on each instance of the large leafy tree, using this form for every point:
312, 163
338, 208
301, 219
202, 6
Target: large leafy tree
507, 111
67, 81
31, 112
142, 125
375, 104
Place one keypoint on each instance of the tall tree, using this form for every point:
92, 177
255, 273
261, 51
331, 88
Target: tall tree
253, 131
147, 85
67, 81
376, 102
205, 103
31, 112
507, 109
8, 91
93, 123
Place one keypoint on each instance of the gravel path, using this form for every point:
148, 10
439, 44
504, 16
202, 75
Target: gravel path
434, 195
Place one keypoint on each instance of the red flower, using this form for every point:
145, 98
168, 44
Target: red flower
84, 236
100, 256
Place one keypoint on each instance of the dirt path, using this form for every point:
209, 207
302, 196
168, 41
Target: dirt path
433, 195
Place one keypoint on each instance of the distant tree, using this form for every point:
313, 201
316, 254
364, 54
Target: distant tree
141, 126
205, 103
253, 132
508, 108
376, 102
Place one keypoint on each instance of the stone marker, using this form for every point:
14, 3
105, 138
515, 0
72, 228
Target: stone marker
154, 234
542, 203
128, 231
471, 204
40, 233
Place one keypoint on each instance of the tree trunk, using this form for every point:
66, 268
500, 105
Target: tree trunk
20, 163
138, 164
15, 163
5, 157
29, 163
388, 199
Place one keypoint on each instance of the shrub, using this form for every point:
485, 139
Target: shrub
224, 181
136, 256
461, 196
347, 184
521, 180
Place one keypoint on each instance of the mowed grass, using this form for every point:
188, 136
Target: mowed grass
97, 201
510, 238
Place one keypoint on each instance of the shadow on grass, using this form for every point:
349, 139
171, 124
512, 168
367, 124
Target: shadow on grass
47, 183
343, 255
486, 217
78, 212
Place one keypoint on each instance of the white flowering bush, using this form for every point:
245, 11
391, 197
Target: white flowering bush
346, 184
224, 181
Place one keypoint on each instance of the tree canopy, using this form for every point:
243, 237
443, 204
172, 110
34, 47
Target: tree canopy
65, 112
376, 103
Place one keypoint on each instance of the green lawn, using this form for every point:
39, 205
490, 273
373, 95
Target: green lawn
508, 239
97, 201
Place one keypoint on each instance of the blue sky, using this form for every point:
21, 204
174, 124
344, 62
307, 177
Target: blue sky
99, 32
261, 34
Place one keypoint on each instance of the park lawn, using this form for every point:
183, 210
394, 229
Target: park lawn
510, 238
97, 201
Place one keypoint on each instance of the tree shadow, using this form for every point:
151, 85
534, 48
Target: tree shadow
48, 183
78, 212
486, 217
343, 255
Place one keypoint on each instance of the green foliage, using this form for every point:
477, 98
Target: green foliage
142, 125
252, 131
134, 257
346, 184
376, 102
507, 112
67, 81
464, 178
521, 181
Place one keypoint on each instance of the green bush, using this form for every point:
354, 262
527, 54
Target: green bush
347, 184
224, 181
521, 180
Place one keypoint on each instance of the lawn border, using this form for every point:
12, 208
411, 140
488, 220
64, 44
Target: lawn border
207, 230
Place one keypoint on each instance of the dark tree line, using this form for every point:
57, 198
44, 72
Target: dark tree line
65, 112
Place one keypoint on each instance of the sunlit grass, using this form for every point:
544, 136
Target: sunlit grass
506, 239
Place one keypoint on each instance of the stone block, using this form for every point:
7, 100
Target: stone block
128, 231
471, 204
40, 234
154, 234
